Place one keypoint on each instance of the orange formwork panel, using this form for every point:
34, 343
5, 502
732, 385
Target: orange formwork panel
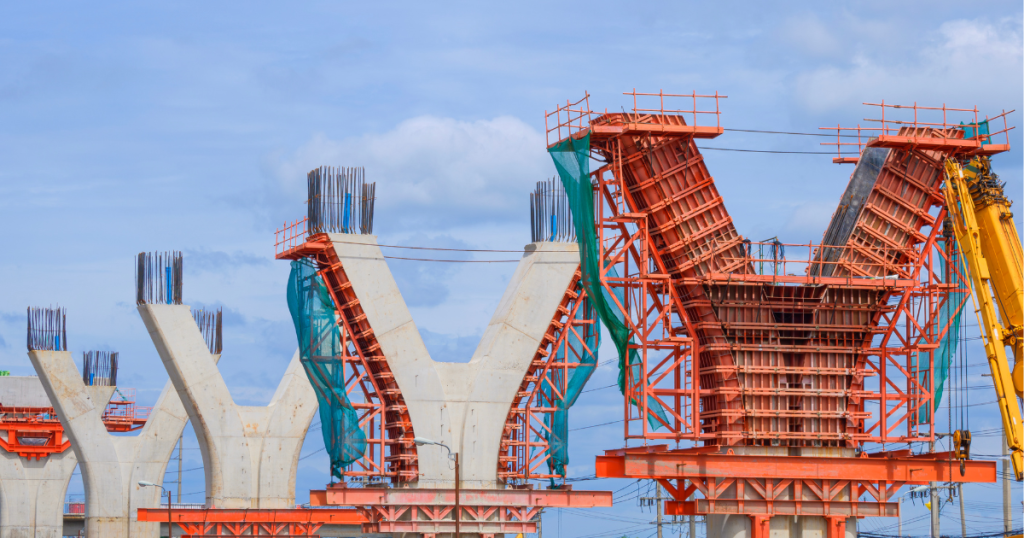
772, 350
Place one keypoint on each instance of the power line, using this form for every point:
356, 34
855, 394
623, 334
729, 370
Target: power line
772, 151
789, 133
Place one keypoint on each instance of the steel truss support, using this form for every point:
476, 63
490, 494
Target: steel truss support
369, 382
203, 522
431, 511
765, 485
524, 442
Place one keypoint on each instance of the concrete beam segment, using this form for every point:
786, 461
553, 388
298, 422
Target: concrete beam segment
112, 466
463, 405
250, 454
32, 492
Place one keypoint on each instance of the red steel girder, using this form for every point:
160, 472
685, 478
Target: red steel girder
201, 522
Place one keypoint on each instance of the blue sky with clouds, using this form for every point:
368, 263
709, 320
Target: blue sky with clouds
130, 127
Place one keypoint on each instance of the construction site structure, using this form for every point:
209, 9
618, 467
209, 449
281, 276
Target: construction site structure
980, 217
784, 362
38, 462
112, 465
491, 412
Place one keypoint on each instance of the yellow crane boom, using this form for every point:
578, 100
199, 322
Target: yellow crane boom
988, 239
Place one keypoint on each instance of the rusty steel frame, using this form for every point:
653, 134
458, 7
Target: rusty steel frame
369, 382
202, 522
524, 448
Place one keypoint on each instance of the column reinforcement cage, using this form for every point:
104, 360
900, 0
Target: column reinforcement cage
340, 200
158, 278
47, 329
211, 325
550, 216
99, 368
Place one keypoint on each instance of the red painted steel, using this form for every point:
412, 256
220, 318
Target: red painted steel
524, 448
201, 522
36, 432
371, 385
430, 511
771, 349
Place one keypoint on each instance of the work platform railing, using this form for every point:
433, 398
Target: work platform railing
957, 131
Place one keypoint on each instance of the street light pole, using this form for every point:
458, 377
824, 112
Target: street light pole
458, 515
146, 483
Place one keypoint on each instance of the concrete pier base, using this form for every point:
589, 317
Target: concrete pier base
111, 465
250, 454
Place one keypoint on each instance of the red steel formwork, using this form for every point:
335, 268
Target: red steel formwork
524, 446
824, 351
391, 453
36, 432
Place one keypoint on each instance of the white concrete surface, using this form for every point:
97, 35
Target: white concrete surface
463, 405
32, 491
22, 391
250, 454
111, 465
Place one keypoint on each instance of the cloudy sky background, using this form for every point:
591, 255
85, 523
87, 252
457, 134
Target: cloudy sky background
128, 128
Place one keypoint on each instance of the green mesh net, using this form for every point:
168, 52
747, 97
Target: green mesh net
572, 160
320, 351
950, 311
582, 348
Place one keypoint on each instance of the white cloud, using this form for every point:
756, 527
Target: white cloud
965, 62
435, 171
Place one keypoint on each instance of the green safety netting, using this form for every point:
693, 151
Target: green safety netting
974, 129
572, 160
950, 311
582, 349
320, 352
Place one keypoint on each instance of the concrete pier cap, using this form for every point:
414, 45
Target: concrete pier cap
112, 466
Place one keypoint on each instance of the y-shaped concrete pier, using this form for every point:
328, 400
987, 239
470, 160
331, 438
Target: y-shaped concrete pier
32, 491
112, 466
250, 454
463, 405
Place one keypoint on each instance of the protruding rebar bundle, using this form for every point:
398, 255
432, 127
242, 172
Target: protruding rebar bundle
210, 324
550, 216
47, 329
340, 201
158, 278
99, 368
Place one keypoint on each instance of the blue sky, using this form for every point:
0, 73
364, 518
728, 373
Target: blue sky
128, 128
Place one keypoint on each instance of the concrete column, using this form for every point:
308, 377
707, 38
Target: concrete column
250, 454
463, 405
111, 465
32, 494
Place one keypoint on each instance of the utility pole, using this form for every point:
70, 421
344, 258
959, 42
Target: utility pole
540, 523
933, 490
693, 526
963, 521
657, 502
1007, 514
899, 518
657, 499
181, 442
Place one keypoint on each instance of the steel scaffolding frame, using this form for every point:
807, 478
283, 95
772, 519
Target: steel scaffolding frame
524, 444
